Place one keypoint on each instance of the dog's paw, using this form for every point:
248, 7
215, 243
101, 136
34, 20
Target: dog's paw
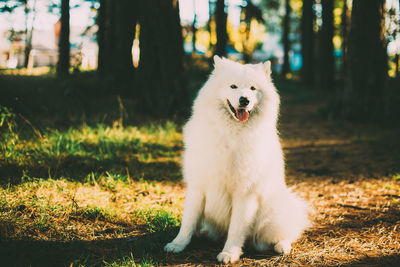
174, 247
283, 247
228, 256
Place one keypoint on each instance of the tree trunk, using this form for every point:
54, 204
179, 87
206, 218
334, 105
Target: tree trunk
117, 27
125, 28
63, 44
285, 40
345, 38
327, 63
307, 42
222, 35
101, 38
210, 20
397, 58
28, 35
161, 72
194, 30
364, 97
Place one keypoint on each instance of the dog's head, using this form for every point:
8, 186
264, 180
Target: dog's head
241, 87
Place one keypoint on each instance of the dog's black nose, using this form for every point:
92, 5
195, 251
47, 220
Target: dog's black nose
243, 101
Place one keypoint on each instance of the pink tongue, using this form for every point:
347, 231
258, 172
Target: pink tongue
242, 114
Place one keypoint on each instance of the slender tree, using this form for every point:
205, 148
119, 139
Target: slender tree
397, 57
222, 35
285, 40
364, 96
194, 29
29, 32
63, 44
345, 37
209, 23
307, 42
327, 63
101, 38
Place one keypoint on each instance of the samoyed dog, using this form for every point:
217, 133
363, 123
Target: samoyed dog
234, 168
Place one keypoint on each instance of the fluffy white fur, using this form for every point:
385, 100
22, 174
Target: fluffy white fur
234, 169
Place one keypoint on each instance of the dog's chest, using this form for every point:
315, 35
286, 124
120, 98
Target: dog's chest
238, 161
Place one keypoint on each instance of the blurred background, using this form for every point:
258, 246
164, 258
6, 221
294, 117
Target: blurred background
148, 50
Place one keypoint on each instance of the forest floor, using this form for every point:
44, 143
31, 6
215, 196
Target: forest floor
111, 194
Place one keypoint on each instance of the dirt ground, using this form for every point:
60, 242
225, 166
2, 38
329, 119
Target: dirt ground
349, 173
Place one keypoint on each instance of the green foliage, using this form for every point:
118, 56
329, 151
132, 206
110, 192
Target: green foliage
157, 220
92, 213
126, 261
129, 261
8, 135
147, 261
7, 118
77, 151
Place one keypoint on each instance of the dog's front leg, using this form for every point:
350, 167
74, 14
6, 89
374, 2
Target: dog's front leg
244, 208
194, 205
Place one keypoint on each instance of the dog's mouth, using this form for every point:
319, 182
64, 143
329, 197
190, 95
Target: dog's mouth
241, 113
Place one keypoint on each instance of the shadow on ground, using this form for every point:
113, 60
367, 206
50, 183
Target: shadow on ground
94, 253
200, 251
342, 161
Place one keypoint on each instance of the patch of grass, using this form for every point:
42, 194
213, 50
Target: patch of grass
157, 220
129, 261
89, 181
92, 213
75, 152
147, 261
103, 205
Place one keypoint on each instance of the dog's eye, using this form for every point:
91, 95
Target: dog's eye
253, 88
234, 86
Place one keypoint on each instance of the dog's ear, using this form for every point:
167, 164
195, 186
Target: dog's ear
264, 67
267, 67
218, 62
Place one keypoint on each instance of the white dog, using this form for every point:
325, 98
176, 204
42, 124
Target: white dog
234, 168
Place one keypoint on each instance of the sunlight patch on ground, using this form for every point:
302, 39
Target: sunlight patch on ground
84, 207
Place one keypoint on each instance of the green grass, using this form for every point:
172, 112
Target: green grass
157, 220
108, 205
76, 152
88, 182
129, 261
